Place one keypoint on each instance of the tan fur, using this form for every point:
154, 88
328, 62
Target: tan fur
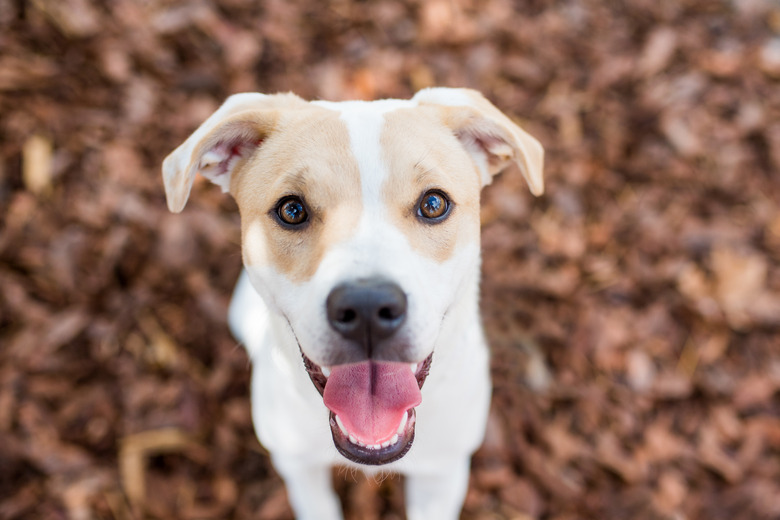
251, 126
422, 154
420, 148
181, 165
481, 116
528, 152
325, 176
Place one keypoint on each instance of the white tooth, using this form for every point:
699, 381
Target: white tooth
402, 426
386, 444
413, 366
375, 446
393, 440
353, 440
341, 426
325, 371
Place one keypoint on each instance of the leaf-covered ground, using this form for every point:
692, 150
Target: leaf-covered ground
633, 310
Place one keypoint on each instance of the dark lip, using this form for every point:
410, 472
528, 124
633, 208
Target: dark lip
362, 454
315, 374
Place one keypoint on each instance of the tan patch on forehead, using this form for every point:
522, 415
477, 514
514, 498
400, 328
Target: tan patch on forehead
308, 156
421, 154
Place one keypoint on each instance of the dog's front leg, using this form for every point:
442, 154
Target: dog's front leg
438, 496
309, 489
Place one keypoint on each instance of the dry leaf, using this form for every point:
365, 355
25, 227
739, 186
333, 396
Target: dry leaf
37, 165
739, 281
680, 133
640, 370
769, 58
137, 448
658, 51
74, 18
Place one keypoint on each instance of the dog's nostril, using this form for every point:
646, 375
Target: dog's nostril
387, 313
347, 316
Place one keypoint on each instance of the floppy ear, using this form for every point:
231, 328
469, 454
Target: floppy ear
489, 136
226, 139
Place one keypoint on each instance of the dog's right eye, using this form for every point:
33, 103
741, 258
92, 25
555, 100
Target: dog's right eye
292, 211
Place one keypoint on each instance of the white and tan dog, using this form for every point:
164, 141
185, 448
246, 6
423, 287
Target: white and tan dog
360, 238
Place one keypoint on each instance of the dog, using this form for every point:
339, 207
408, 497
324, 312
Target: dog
358, 302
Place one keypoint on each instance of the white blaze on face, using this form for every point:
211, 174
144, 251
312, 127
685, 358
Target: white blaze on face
365, 121
388, 237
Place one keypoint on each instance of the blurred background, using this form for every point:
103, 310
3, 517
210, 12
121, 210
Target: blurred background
633, 310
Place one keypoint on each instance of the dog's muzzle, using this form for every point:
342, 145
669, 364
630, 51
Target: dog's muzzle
373, 387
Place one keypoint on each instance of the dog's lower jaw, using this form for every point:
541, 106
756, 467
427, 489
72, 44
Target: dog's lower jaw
374, 455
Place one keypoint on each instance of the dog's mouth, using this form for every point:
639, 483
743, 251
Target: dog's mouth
371, 405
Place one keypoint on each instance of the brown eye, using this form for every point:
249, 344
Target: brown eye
292, 211
434, 205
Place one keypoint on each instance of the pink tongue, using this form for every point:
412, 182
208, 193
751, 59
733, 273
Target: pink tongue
371, 397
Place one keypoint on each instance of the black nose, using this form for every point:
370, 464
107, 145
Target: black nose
366, 311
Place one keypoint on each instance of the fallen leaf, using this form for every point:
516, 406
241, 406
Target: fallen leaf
658, 51
37, 165
739, 281
137, 448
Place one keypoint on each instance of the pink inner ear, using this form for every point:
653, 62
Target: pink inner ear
221, 158
494, 148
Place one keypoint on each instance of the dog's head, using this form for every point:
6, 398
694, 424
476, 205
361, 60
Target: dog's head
360, 226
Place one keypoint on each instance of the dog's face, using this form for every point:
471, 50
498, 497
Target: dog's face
360, 227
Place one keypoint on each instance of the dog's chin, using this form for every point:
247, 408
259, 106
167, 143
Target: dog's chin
363, 453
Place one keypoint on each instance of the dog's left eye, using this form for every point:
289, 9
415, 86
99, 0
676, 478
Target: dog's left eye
292, 211
434, 205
